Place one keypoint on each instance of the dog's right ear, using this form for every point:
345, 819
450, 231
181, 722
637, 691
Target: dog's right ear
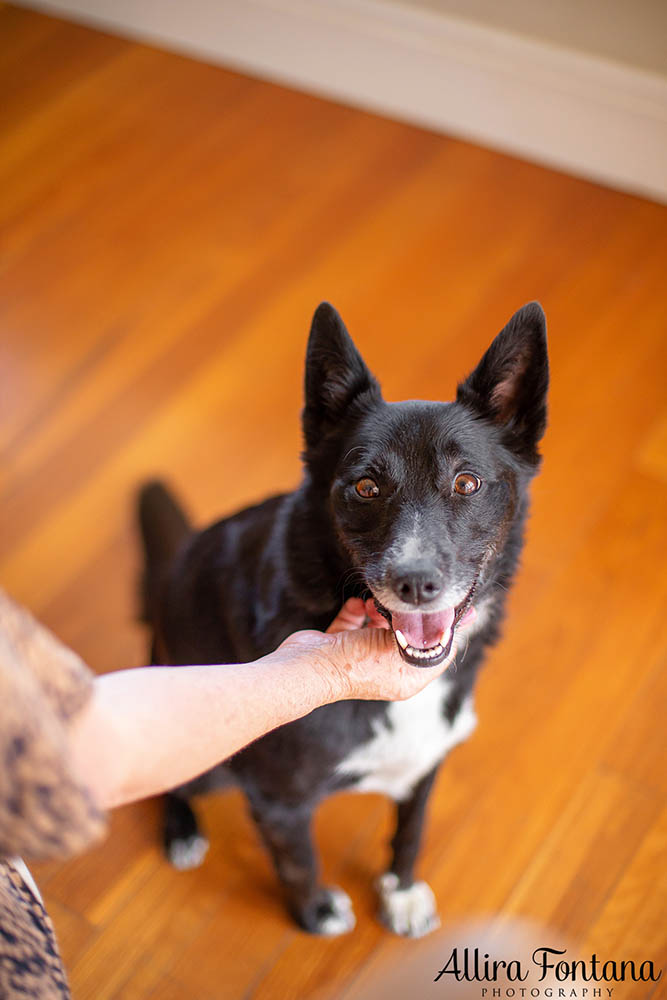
337, 377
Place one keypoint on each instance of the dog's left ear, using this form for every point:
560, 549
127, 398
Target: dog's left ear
337, 377
509, 385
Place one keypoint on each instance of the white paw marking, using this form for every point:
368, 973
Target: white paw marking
411, 912
342, 919
189, 853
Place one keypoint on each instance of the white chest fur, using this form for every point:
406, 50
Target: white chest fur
406, 746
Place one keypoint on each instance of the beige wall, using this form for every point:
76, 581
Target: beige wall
627, 31
523, 76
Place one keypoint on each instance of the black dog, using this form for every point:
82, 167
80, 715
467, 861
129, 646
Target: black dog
420, 504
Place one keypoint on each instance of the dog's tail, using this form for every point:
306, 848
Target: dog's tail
164, 527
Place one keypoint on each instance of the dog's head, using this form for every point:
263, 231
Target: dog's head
424, 495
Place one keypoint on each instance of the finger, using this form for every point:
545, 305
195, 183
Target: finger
375, 619
468, 618
352, 615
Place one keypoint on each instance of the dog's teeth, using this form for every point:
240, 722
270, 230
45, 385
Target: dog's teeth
422, 654
400, 639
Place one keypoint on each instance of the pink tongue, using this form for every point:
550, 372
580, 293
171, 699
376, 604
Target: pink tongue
423, 630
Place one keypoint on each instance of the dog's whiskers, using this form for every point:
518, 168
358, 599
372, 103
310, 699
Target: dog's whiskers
352, 451
351, 576
463, 655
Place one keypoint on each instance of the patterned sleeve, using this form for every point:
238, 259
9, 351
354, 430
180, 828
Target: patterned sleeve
44, 811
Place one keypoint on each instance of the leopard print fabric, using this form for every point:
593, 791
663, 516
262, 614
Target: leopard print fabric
30, 964
44, 811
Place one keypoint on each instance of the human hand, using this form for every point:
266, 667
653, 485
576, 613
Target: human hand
364, 662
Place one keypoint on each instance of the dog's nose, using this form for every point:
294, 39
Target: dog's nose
417, 585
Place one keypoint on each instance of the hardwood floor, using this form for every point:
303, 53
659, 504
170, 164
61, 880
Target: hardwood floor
168, 228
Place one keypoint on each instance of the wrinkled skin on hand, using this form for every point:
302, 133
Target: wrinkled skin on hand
358, 655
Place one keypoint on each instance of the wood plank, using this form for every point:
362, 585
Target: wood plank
632, 924
167, 229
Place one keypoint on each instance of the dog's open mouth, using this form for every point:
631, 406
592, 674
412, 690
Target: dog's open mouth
425, 639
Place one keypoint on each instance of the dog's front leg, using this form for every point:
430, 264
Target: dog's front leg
408, 907
286, 831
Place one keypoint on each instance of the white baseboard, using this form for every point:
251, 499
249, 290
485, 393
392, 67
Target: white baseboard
562, 108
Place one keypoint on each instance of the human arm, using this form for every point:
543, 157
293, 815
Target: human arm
152, 728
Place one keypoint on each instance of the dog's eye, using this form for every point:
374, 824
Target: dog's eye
467, 483
367, 488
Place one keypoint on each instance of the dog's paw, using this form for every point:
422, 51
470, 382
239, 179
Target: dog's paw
329, 912
411, 912
187, 852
